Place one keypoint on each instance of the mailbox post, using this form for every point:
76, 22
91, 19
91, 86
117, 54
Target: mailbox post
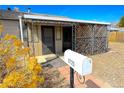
80, 63
71, 77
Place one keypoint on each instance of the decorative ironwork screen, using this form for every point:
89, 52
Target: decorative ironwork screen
91, 38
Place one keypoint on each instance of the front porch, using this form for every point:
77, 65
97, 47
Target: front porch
53, 37
49, 57
49, 40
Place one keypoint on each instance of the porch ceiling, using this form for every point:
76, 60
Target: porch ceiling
48, 22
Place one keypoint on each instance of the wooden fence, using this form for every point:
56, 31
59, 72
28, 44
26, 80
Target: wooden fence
116, 37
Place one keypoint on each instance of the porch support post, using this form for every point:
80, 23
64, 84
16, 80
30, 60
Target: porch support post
73, 38
107, 36
74, 29
28, 34
73, 48
32, 34
21, 28
93, 38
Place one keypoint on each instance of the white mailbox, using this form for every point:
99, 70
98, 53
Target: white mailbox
80, 63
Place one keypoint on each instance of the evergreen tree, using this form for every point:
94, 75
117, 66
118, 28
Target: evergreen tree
121, 23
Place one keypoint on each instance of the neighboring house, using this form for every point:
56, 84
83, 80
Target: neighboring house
115, 28
121, 29
48, 34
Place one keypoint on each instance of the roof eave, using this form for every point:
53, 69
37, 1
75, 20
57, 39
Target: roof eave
62, 19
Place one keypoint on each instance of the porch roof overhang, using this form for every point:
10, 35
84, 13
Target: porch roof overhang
61, 19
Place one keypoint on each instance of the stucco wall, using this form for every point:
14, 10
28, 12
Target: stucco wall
11, 27
58, 41
36, 47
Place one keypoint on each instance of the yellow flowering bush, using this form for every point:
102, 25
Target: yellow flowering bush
17, 69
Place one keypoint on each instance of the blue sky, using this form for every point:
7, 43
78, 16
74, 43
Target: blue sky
86, 12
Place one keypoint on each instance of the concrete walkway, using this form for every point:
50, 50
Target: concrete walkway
54, 62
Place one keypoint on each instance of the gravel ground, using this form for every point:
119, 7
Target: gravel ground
110, 66
53, 78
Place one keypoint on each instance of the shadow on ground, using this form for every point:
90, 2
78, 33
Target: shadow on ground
54, 62
90, 84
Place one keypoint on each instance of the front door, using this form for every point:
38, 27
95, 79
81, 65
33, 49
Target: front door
67, 38
48, 40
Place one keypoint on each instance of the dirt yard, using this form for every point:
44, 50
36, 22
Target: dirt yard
109, 67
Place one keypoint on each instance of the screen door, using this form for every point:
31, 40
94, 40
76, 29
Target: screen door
48, 40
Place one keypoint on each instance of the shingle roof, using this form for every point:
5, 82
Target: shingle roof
7, 14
